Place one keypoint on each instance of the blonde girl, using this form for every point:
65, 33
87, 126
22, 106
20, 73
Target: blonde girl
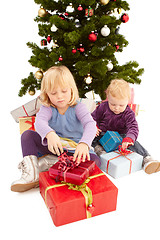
60, 116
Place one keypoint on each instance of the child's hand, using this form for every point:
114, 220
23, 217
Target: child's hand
98, 132
127, 142
125, 145
81, 153
54, 143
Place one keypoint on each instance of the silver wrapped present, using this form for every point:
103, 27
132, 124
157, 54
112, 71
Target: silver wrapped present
26, 110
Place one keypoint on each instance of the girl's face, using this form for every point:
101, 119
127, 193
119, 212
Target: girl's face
60, 98
117, 105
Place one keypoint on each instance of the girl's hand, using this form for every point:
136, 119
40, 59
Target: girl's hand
54, 143
98, 132
127, 142
81, 153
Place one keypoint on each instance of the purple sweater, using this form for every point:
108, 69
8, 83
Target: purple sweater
123, 123
76, 124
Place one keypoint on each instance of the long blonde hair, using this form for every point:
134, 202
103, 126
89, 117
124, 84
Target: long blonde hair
54, 77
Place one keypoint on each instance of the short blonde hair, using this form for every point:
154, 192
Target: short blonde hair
54, 77
119, 88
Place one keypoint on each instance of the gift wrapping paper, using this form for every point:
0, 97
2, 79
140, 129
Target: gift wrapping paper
135, 108
26, 123
118, 165
76, 175
68, 203
110, 141
26, 110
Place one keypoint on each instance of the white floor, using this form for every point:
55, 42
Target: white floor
25, 216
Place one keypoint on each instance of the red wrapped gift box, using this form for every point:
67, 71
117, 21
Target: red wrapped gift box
135, 108
76, 175
69, 203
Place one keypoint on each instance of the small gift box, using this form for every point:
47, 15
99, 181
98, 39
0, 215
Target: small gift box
68, 202
89, 12
111, 141
76, 175
118, 164
135, 108
26, 110
43, 42
26, 123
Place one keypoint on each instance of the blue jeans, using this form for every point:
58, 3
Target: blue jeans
138, 148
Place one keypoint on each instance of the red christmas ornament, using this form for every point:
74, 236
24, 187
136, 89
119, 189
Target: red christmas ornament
116, 46
92, 37
124, 18
81, 49
74, 50
80, 8
49, 39
60, 58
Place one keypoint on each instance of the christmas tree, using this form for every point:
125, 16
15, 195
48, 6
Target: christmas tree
84, 36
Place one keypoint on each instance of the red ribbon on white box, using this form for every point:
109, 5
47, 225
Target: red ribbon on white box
121, 153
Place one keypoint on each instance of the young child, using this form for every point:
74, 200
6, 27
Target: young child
61, 115
114, 114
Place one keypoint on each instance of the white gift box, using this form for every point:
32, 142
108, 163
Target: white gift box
27, 110
118, 165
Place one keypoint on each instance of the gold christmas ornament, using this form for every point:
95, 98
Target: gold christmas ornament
39, 74
104, 2
31, 92
42, 12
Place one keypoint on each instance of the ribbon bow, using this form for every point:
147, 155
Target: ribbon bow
87, 193
65, 163
123, 151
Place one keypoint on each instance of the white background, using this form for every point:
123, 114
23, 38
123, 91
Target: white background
25, 215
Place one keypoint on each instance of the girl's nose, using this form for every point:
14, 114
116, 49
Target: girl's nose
59, 94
